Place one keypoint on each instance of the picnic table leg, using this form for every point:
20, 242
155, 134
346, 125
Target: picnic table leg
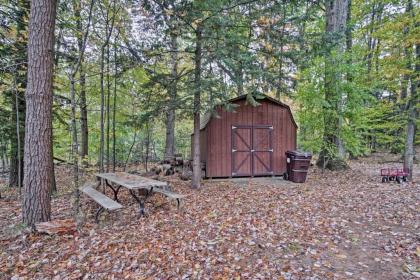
100, 182
115, 190
141, 201
98, 212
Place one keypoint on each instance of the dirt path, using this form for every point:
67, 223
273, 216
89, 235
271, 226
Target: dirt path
336, 226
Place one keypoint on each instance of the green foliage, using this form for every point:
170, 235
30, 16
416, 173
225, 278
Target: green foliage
253, 48
310, 99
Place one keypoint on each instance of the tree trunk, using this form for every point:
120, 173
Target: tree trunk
349, 41
108, 110
336, 21
280, 87
147, 144
170, 114
38, 159
16, 167
74, 147
114, 109
196, 179
84, 132
3, 155
412, 108
54, 182
413, 115
108, 32
18, 99
130, 150
240, 79
102, 118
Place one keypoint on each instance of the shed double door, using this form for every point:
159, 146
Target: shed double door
252, 150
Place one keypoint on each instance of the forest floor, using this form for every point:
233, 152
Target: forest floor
338, 225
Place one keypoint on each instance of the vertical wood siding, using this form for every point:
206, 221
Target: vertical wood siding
219, 135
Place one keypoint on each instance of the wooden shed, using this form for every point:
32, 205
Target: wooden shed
250, 141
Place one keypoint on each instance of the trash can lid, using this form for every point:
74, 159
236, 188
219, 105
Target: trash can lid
299, 153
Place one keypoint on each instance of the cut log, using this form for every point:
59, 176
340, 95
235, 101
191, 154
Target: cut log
67, 226
186, 174
164, 169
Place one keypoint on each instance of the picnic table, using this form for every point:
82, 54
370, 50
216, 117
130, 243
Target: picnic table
140, 188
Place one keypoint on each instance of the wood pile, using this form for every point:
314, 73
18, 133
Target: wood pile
67, 226
175, 165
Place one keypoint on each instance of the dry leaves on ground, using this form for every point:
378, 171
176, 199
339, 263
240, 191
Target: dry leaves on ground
336, 226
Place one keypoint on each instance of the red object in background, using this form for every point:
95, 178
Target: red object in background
393, 171
391, 174
385, 172
403, 172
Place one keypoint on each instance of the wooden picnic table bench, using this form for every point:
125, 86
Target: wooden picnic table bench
140, 188
105, 202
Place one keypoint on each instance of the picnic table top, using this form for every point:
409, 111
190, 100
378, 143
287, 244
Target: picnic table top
131, 181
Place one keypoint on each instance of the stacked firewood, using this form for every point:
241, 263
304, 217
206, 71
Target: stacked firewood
174, 165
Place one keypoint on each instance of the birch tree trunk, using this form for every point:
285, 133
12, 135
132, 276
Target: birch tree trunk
38, 159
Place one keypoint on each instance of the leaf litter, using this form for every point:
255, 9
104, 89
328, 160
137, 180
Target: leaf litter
344, 225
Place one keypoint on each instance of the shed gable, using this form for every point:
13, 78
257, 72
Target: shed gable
241, 100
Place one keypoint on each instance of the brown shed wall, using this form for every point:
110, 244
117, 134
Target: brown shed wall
218, 135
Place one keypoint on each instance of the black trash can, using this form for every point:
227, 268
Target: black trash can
297, 164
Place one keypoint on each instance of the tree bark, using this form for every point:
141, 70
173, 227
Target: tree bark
114, 109
336, 23
108, 110
54, 181
147, 146
18, 99
196, 179
39, 96
74, 147
3, 149
412, 109
170, 114
102, 118
84, 132
280, 87
108, 32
